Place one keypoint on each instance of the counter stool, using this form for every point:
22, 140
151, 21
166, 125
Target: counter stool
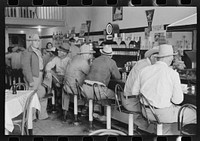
103, 102
20, 86
159, 125
118, 98
188, 129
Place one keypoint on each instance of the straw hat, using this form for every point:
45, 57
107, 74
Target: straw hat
165, 50
86, 49
33, 37
151, 51
107, 50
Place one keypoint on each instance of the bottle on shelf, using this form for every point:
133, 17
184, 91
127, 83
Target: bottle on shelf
14, 88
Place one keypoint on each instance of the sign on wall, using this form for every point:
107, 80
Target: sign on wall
117, 13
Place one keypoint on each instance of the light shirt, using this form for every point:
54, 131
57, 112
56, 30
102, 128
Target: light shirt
14, 60
159, 84
59, 63
133, 75
39, 54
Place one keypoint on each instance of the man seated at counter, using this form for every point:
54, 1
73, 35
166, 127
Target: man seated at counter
101, 70
131, 102
77, 69
160, 84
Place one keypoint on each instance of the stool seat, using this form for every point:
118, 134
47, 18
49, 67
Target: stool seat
124, 110
189, 129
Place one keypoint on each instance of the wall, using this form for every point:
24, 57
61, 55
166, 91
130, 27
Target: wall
18, 31
132, 16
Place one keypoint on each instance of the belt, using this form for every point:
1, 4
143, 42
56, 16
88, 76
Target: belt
92, 85
130, 96
41, 70
146, 106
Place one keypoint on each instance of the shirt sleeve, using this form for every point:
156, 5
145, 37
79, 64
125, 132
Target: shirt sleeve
177, 95
114, 71
50, 65
26, 66
136, 86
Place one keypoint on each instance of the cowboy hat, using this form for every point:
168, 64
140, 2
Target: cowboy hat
107, 50
151, 51
165, 50
33, 37
86, 49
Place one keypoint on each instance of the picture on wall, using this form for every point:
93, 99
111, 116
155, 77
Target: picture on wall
117, 13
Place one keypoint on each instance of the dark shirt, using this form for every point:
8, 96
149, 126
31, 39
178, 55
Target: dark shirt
102, 69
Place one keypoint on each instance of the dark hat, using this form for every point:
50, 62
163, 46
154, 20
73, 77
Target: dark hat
63, 49
72, 39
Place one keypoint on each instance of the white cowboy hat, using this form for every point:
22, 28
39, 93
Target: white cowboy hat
33, 37
86, 49
165, 50
107, 50
151, 51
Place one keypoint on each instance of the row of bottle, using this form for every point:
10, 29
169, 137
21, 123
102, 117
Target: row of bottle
60, 36
133, 53
20, 12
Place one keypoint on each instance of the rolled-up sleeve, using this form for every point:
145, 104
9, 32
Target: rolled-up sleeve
177, 95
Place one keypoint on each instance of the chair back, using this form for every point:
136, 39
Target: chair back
102, 132
26, 113
70, 87
144, 101
96, 94
20, 85
181, 115
118, 96
80, 90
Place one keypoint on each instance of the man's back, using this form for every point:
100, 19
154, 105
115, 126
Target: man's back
159, 84
102, 69
77, 68
133, 75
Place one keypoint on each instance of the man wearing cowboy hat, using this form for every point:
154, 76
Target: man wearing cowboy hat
131, 102
160, 84
102, 69
32, 67
77, 69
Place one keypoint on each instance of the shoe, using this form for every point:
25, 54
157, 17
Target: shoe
49, 95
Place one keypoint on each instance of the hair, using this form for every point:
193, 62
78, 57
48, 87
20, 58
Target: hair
48, 44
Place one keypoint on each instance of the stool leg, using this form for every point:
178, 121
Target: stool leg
10, 81
159, 129
53, 102
130, 124
90, 114
76, 110
108, 117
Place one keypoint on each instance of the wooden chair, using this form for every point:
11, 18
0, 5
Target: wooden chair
188, 129
23, 123
159, 125
121, 108
102, 132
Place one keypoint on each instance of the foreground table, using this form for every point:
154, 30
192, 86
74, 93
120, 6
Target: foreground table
14, 106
